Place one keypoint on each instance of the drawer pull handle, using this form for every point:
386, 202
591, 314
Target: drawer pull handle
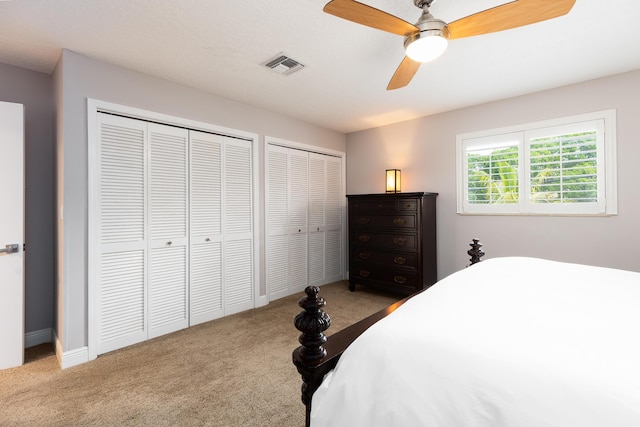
400, 241
400, 260
364, 238
364, 255
399, 221
364, 273
363, 221
400, 279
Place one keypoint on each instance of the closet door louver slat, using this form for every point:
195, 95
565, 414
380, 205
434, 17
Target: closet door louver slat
122, 300
121, 184
206, 282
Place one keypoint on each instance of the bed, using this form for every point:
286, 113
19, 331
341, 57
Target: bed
506, 342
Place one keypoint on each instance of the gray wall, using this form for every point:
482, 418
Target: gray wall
77, 78
34, 90
424, 149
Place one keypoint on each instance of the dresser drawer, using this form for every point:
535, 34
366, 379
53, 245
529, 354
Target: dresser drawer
399, 259
401, 280
373, 205
367, 221
406, 205
390, 242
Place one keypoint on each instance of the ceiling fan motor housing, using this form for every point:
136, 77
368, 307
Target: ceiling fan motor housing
433, 32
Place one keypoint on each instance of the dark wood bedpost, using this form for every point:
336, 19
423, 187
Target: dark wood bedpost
475, 252
312, 322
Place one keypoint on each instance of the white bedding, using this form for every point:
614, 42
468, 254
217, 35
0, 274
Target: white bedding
507, 342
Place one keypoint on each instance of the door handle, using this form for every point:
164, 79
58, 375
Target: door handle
10, 249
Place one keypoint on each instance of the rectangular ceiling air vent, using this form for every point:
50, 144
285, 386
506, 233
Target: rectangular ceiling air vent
284, 65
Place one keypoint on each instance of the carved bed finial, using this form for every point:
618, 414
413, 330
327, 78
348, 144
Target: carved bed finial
475, 252
308, 358
312, 322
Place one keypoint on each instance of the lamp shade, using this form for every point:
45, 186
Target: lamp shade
393, 180
426, 48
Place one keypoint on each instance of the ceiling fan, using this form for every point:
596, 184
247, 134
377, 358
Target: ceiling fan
428, 38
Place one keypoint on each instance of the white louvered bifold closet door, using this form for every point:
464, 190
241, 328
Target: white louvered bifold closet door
317, 218
298, 220
168, 220
120, 284
277, 221
325, 219
237, 250
206, 227
334, 240
287, 220
173, 218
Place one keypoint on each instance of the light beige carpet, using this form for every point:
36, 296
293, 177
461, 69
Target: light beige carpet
234, 371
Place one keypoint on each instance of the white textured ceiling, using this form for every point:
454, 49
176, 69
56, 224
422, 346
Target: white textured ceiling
218, 46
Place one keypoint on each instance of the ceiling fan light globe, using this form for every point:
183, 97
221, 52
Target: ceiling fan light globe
425, 47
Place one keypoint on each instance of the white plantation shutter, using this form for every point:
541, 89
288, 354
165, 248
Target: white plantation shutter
564, 166
121, 305
168, 192
494, 172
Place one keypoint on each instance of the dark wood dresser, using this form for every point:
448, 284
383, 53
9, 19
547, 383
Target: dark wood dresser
392, 241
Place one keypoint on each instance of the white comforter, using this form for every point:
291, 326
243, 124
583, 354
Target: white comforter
507, 342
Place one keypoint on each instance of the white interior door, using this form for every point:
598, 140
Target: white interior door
11, 235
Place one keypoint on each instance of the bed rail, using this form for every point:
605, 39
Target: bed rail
317, 354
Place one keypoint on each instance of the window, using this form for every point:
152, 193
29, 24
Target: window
557, 167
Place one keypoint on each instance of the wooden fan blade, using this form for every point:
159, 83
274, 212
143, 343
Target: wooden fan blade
403, 75
370, 16
511, 15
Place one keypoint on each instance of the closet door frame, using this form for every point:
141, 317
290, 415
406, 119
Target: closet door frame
268, 140
95, 107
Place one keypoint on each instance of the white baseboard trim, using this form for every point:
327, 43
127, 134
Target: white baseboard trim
262, 301
70, 358
34, 338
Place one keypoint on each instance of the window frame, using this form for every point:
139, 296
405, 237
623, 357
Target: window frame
605, 125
